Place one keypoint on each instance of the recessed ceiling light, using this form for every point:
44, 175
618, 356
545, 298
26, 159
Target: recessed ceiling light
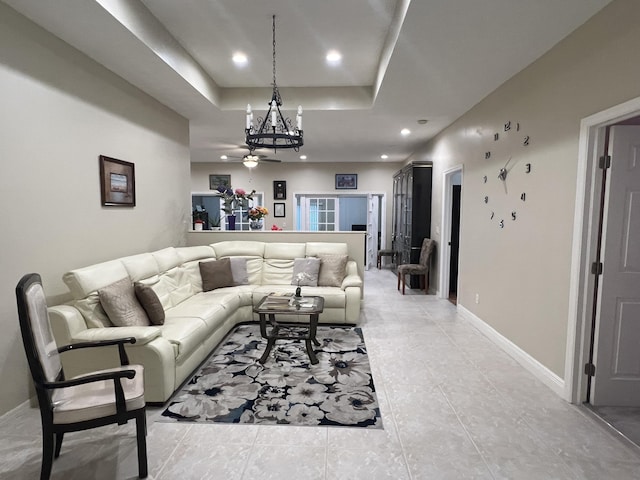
303, 157
384, 156
405, 131
223, 157
334, 57
240, 59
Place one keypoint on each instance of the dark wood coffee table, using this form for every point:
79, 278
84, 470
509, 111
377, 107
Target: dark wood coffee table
273, 305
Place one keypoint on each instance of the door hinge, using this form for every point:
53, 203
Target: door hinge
589, 369
605, 162
596, 268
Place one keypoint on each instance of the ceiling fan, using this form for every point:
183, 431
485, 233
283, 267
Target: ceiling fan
251, 160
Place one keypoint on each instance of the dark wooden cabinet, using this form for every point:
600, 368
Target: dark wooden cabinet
411, 212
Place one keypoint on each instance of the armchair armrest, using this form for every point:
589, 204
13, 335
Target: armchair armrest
124, 360
143, 335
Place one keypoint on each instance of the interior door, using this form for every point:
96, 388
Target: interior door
372, 229
617, 344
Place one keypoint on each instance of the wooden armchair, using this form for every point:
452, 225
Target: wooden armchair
114, 395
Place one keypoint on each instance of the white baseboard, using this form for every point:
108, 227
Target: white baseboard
542, 373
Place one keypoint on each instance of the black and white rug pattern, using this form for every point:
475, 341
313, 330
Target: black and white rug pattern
233, 387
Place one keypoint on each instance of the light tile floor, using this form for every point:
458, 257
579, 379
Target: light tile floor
454, 406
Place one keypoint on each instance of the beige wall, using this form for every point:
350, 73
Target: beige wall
521, 272
60, 111
301, 177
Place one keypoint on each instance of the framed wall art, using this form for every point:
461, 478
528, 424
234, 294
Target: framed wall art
216, 180
279, 190
117, 182
346, 181
278, 210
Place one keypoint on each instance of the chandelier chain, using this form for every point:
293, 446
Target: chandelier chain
274, 51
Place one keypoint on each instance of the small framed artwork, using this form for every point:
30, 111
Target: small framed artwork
279, 190
278, 210
346, 181
117, 182
216, 181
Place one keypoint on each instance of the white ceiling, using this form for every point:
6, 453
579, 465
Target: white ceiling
402, 61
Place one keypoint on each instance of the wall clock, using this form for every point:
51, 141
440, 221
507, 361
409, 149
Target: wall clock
505, 175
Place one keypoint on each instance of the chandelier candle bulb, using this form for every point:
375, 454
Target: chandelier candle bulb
274, 118
299, 117
249, 116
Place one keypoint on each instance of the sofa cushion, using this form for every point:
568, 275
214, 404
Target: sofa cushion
121, 305
150, 302
185, 333
82, 282
333, 269
325, 248
140, 266
240, 248
305, 272
216, 274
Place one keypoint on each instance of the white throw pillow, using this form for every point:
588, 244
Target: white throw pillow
305, 272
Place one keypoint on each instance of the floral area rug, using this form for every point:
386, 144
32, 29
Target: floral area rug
233, 387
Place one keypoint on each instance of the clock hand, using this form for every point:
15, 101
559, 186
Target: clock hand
502, 175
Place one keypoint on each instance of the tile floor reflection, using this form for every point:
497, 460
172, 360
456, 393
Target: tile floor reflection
454, 406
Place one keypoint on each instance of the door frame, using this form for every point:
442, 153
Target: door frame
445, 233
591, 146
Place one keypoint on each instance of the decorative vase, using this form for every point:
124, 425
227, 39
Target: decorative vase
231, 220
197, 226
255, 224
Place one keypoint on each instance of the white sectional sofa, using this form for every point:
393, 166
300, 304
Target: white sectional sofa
195, 321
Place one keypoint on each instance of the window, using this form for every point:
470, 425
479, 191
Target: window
318, 214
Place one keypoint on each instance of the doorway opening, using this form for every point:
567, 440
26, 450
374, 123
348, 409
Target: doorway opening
450, 235
356, 212
603, 363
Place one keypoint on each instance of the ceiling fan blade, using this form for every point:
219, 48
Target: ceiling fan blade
272, 160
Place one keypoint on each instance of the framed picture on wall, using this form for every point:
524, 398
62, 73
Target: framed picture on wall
279, 190
117, 182
216, 181
346, 181
278, 210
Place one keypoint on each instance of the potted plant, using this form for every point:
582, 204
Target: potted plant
256, 214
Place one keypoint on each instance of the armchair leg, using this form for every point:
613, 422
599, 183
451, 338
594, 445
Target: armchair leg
59, 437
141, 435
47, 455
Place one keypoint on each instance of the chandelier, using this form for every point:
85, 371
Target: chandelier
274, 130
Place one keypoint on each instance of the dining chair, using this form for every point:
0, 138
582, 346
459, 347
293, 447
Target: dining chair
421, 268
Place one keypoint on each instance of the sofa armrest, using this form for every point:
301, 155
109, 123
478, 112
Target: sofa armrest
351, 281
143, 335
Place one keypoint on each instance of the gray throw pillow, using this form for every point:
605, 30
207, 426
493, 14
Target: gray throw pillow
333, 269
150, 302
239, 270
216, 274
305, 272
121, 305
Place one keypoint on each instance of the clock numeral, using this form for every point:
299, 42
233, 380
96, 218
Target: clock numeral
507, 126
526, 141
523, 197
517, 127
484, 179
527, 168
496, 136
501, 224
487, 155
486, 199
492, 215
513, 215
